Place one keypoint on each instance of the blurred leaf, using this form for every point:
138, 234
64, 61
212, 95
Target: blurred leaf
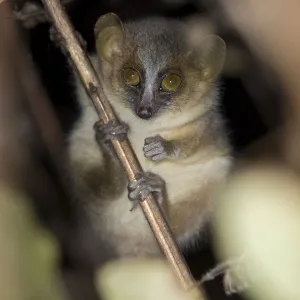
136, 279
259, 214
28, 254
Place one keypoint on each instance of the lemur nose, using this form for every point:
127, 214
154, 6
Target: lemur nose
145, 112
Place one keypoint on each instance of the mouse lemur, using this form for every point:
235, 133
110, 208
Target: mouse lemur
164, 90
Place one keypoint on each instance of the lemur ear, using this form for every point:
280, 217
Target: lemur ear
109, 36
210, 56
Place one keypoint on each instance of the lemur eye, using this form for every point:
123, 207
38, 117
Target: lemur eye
131, 77
171, 82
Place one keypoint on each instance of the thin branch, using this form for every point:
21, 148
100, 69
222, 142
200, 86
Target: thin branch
123, 149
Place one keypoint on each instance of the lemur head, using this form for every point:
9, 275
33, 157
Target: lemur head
152, 66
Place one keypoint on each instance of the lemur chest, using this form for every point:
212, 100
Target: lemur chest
178, 175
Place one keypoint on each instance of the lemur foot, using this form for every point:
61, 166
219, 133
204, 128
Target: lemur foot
110, 131
233, 285
145, 184
58, 40
235, 279
156, 148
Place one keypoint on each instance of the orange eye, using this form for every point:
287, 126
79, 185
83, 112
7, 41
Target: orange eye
131, 77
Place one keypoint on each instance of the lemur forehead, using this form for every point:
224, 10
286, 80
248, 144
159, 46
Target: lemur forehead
157, 41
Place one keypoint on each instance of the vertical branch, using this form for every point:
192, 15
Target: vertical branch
123, 149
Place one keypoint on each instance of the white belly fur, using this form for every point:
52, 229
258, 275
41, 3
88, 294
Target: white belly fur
128, 231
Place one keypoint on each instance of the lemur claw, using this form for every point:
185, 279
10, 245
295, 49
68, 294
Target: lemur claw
110, 131
147, 183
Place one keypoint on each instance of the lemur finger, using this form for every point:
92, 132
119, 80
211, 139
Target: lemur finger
120, 129
137, 185
139, 193
132, 185
152, 145
228, 285
113, 125
153, 139
159, 156
140, 178
142, 192
149, 140
232, 286
155, 151
151, 185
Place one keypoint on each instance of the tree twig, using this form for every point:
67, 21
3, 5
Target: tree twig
123, 149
